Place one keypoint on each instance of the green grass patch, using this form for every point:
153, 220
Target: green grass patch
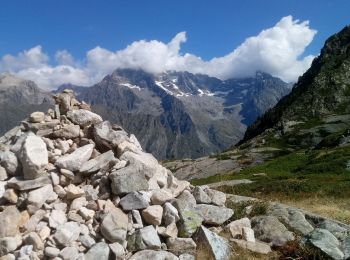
296, 175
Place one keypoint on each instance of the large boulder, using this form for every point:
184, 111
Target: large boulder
292, 217
326, 242
269, 229
75, 160
83, 117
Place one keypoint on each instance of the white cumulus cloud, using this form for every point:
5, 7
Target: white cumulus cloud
277, 50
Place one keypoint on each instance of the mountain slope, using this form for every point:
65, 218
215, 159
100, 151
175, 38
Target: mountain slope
185, 115
18, 97
319, 102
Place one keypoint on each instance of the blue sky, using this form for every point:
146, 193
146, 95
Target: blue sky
213, 28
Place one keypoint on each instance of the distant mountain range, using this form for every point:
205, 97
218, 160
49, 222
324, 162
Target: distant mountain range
182, 114
18, 98
173, 114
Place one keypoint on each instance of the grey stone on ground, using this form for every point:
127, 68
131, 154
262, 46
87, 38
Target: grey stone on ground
145, 238
2, 188
10, 220
68, 132
99, 251
216, 246
154, 255
106, 138
33, 239
9, 161
201, 196
9, 244
269, 229
118, 251
189, 221
338, 231
170, 214
217, 198
115, 225
36, 117
83, 117
34, 220
51, 252
75, 160
39, 196
346, 247
236, 227
256, 247
134, 200
95, 164
34, 157
150, 237
57, 218
127, 180
3, 173
67, 233
87, 241
20, 184
69, 253
153, 215
213, 215
292, 217
326, 242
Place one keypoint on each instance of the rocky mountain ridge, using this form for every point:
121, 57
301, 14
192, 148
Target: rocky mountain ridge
184, 115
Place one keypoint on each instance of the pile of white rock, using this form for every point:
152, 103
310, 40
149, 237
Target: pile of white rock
73, 186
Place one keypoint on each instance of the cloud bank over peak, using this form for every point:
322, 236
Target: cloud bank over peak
277, 50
